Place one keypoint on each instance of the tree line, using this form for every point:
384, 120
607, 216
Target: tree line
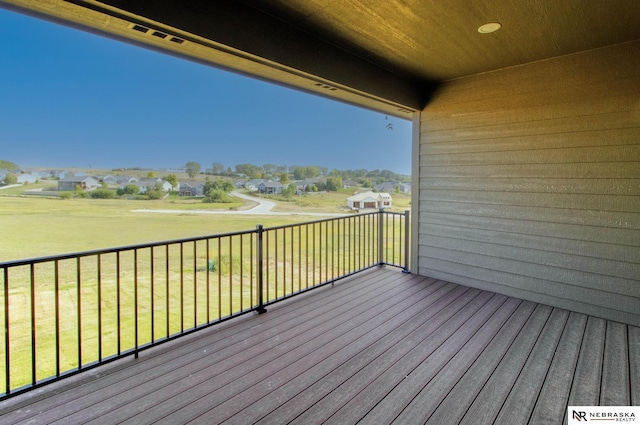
285, 173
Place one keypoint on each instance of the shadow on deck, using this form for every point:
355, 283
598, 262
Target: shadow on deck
379, 347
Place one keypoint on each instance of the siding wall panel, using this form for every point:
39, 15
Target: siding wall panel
530, 182
620, 242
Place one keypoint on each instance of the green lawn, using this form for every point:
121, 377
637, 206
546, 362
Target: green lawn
33, 226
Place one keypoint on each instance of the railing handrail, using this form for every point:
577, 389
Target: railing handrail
347, 244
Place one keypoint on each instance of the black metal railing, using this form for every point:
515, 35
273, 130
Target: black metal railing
68, 313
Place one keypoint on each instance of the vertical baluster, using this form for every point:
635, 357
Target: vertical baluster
135, 302
195, 284
167, 294
56, 289
230, 275
326, 251
341, 251
349, 248
275, 236
251, 270
152, 266
380, 237
322, 247
99, 301
313, 228
260, 268
333, 250
268, 266
79, 307
292, 260
366, 226
242, 272
118, 299
181, 287
306, 269
33, 324
406, 241
357, 240
208, 282
393, 238
7, 329
219, 278
284, 262
373, 241
357, 245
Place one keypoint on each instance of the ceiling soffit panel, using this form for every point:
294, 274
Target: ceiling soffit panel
439, 40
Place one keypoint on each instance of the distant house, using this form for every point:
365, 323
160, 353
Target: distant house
349, 183
304, 185
56, 174
191, 189
240, 184
252, 185
71, 181
270, 187
125, 180
27, 178
393, 187
110, 181
369, 200
145, 184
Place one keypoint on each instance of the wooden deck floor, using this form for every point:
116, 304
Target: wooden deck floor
380, 347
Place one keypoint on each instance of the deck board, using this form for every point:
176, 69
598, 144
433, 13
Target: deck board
378, 347
634, 364
456, 402
322, 390
615, 370
553, 398
522, 398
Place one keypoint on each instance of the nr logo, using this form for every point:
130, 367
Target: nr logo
580, 416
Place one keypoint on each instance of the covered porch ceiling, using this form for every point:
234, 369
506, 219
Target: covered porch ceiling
389, 55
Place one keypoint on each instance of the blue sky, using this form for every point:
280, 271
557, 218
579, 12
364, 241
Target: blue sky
69, 98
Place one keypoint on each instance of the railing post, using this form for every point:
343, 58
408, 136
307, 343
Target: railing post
259, 247
381, 237
407, 232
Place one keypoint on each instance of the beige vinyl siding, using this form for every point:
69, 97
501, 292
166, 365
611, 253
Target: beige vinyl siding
530, 182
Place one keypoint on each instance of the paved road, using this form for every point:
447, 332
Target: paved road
9, 186
264, 207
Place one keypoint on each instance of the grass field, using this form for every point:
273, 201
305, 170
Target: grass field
32, 226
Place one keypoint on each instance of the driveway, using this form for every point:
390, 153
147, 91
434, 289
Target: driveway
264, 207
9, 186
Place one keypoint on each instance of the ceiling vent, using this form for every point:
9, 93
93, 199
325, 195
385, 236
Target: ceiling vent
155, 33
325, 86
140, 28
159, 34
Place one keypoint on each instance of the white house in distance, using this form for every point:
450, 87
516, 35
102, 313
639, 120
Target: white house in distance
369, 200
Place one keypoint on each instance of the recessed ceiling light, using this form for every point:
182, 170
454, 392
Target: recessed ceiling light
489, 28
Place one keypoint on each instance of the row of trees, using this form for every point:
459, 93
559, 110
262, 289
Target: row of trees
283, 173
